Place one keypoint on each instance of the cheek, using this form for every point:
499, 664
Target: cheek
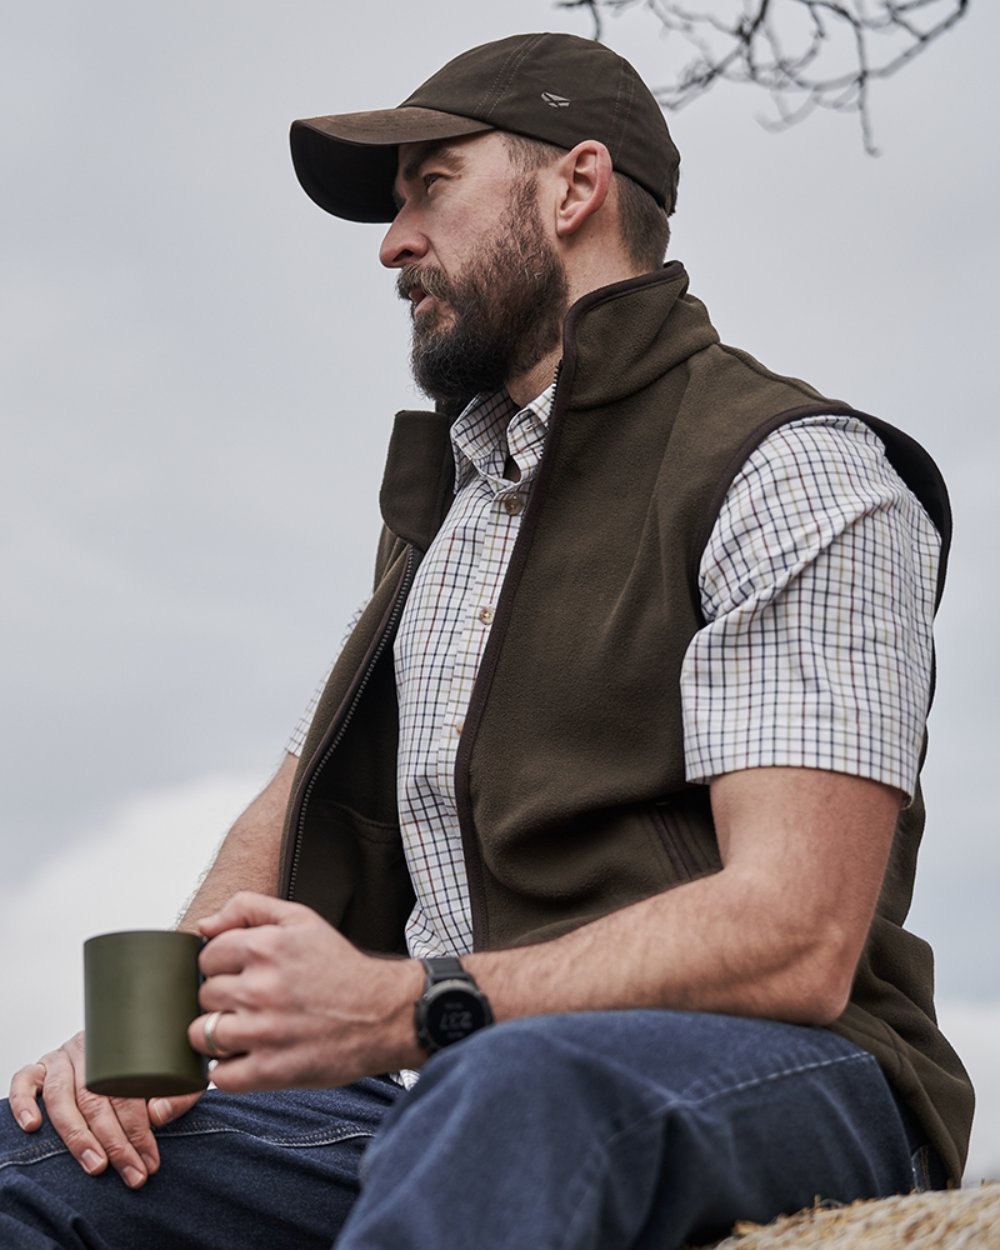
458, 237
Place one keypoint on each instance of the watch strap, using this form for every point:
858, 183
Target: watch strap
446, 978
445, 968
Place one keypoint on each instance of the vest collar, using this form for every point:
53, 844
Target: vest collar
614, 340
420, 455
613, 345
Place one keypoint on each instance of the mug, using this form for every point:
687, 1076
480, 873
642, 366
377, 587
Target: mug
140, 995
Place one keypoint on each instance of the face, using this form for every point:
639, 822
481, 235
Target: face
487, 290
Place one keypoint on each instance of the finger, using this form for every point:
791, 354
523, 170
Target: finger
133, 1116
165, 1110
224, 954
217, 1034
243, 1074
219, 992
59, 1090
25, 1086
247, 910
100, 1119
90, 1125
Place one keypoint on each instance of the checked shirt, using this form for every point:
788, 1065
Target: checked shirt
794, 667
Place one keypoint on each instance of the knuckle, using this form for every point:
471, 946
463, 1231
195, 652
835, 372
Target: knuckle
133, 1117
92, 1105
119, 1152
127, 1108
56, 1087
274, 1032
77, 1138
258, 944
250, 995
21, 1085
211, 997
286, 942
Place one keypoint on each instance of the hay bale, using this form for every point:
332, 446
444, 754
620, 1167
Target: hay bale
956, 1219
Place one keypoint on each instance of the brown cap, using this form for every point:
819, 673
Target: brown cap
560, 89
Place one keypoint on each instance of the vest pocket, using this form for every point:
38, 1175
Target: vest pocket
353, 872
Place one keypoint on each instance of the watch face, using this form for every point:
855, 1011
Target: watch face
453, 1013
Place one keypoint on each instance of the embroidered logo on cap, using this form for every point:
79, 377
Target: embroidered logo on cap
555, 101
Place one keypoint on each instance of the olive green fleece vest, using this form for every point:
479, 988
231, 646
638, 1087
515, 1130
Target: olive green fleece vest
570, 773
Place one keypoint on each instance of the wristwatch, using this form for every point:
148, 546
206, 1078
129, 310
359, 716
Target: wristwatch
452, 1005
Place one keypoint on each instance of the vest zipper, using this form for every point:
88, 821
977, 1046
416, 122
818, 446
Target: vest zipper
471, 852
388, 632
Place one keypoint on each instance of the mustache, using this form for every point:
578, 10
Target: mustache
427, 278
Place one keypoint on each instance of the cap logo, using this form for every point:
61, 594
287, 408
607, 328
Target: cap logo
555, 101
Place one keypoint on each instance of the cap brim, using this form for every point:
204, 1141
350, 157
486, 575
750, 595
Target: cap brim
347, 163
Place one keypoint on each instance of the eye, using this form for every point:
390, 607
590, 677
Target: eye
429, 179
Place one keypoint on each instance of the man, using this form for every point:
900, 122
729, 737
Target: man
606, 819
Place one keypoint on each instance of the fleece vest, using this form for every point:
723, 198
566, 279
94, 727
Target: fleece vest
570, 773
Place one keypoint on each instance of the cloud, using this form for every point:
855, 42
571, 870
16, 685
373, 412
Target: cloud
199, 369
135, 871
139, 868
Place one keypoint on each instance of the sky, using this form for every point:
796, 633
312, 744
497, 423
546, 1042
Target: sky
198, 370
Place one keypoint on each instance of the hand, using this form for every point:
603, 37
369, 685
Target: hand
97, 1130
298, 1005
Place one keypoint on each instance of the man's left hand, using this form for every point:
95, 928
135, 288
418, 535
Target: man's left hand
297, 1004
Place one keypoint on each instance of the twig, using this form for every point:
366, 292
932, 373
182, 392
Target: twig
800, 73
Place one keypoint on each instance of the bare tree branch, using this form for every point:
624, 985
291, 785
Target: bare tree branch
826, 55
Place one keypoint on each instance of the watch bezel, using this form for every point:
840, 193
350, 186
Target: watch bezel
431, 1034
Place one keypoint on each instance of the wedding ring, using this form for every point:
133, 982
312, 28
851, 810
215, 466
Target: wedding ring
210, 1025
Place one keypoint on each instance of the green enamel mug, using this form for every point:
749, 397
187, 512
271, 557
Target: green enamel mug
140, 995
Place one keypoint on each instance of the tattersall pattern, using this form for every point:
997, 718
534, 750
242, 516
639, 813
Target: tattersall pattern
818, 586
441, 640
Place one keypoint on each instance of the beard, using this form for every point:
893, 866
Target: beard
507, 309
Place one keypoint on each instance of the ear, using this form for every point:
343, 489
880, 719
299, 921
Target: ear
584, 175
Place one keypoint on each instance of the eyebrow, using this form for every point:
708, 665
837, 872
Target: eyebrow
445, 154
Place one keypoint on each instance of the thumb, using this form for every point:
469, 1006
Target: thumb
247, 910
163, 1110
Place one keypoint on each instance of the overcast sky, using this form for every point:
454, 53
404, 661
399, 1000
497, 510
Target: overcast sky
199, 370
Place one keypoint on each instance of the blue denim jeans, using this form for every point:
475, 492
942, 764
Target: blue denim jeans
640, 1129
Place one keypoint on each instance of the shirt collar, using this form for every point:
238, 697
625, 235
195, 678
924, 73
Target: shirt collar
492, 427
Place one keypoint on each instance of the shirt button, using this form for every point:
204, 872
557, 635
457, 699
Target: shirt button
458, 726
486, 615
513, 505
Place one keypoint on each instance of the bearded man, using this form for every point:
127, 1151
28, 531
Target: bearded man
600, 836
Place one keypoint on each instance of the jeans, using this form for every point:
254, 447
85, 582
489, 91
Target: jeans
592, 1131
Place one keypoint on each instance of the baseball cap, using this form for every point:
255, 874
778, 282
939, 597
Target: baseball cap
557, 88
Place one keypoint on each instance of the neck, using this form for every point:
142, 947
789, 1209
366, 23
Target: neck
529, 385
524, 387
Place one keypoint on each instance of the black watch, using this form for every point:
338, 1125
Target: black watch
452, 1005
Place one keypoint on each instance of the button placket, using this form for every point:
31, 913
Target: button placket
478, 541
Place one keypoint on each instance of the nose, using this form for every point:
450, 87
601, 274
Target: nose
403, 242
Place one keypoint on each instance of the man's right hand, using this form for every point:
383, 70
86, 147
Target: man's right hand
97, 1130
